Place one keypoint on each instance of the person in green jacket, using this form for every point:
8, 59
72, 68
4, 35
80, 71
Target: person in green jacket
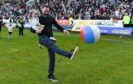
126, 20
71, 20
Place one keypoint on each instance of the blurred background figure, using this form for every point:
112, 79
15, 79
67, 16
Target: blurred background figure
126, 20
21, 23
1, 21
10, 26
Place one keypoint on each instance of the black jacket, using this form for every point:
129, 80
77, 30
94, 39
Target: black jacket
48, 21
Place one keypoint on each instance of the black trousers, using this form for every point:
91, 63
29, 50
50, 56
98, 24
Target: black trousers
0, 26
21, 29
126, 25
131, 25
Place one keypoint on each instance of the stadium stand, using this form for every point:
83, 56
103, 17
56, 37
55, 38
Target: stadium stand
104, 10
63, 9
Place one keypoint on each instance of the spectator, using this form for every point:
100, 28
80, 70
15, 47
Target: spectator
21, 25
126, 20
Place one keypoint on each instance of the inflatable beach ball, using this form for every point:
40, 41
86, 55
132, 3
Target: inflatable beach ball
90, 34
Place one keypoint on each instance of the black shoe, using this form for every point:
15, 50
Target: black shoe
52, 78
72, 52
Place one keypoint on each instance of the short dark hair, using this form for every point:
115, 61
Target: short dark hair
47, 6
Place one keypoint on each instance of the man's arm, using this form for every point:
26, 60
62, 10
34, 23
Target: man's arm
58, 26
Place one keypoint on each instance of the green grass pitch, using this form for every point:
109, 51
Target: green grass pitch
108, 61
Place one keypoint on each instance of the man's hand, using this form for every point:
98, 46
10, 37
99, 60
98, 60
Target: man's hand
66, 32
39, 30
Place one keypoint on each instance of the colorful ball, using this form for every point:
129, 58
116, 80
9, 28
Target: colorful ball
90, 34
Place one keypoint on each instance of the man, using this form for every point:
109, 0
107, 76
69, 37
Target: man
21, 25
46, 38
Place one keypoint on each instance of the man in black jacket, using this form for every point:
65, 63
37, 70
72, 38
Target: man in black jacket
46, 38
21, 23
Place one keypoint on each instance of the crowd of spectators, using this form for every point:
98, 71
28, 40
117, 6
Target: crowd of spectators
63, 9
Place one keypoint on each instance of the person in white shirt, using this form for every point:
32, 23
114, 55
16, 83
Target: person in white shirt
10, 26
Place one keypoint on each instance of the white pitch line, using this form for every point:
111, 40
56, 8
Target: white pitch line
100, 38
117, 40
62, 34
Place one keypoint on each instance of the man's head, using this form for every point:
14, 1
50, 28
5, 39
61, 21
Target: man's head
45, 10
